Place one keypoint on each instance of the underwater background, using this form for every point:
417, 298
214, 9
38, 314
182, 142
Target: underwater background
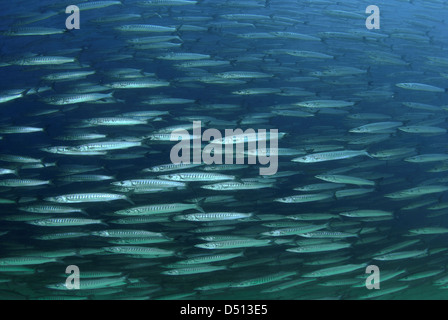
86, 173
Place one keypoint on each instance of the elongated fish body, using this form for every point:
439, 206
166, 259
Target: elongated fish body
156, 3
73, 99
263, 280
294, 230
120, 233
330, 156
16, 129
366, 213
90, 284
138, 84
427, 158
326, 272
18, 159
32, 31
43, 60
417, 191
171, 167
74, 75
150, 183
375, 127
328, 235
236, 185
419, 87
215, 216
24, 261
346, 180
193, 270
66, 150
117, 121
135, 250
325, 104
107, 146
423, 130
428, 230
210, 258
287, 285
232, 244
97, 5
157, 209
86, 197
197, 176
86, 178
401, 255
23, 183
319, 248
320, 187
305, 198
145, 28
64, 222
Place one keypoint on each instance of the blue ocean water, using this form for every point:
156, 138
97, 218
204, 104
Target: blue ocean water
262, 65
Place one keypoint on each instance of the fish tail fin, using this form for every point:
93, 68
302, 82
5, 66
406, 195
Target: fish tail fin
368, 154
129, 199
16, 172
200, 204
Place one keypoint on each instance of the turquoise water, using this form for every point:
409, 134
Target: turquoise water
86, 117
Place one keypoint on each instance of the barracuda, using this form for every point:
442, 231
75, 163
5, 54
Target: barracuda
263, 280
145, 28
116, 121
325, 104
345, 179
196, 176
171, 167
136, 84
231, 244
294, 230
75, 75
305, 198
236, 185
64, 222
320, 248
42, 60
416, 192
158, 209
214, 216
134, 250
331, 156
79, 98
210, 258
24, 261
376, 127
152, 183
366, 213
23, 183
402, 255
12, 130
97, 5
108, 145
93, 284
193, 270
116, 233
87, 197
420, 87
179, 56
327, 272
155, 3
